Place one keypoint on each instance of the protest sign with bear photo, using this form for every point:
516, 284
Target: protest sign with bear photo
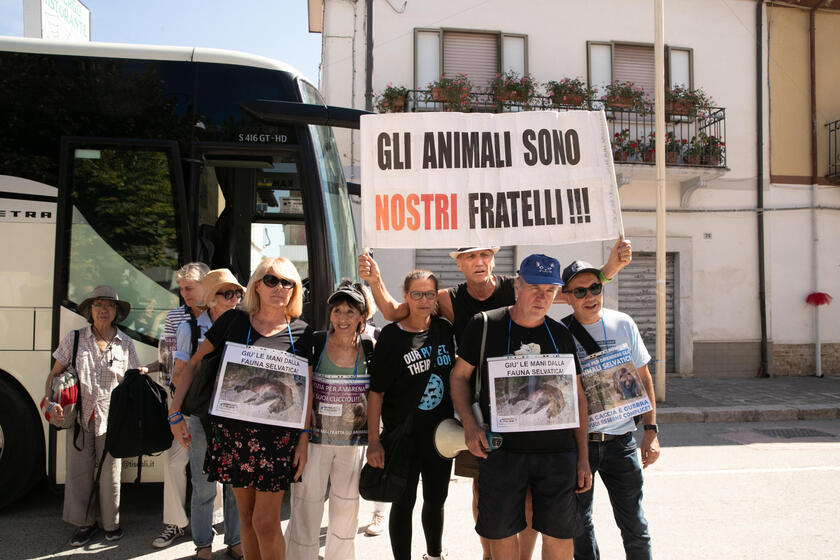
614, 390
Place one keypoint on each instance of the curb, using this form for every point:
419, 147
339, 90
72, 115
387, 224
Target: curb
758, 413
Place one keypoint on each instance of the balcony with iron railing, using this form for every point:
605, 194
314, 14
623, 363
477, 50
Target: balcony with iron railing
696, 140
833, 174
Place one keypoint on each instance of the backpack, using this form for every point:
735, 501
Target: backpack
65, 392
137, 423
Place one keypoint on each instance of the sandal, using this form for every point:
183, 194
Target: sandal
232, 553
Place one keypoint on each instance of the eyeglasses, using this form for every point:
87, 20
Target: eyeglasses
271, 281
580, 293
417, 296
231, 294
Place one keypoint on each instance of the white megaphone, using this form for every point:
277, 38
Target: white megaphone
451, 440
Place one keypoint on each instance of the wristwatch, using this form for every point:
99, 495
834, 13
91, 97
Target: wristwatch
652, 427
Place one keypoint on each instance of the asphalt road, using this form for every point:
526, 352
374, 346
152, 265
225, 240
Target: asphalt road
751, 490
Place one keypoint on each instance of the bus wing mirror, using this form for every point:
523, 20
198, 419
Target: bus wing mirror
285, 112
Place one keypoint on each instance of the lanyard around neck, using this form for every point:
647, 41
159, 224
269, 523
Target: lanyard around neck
551, 336
288, 327
355, 365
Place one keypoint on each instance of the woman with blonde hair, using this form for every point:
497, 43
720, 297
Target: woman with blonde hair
260, 461
339, 430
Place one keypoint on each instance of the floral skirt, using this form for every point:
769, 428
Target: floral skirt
250, 455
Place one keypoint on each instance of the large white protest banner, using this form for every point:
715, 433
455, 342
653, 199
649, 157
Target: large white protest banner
479, 179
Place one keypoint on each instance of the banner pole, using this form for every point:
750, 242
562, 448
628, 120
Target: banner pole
659, 114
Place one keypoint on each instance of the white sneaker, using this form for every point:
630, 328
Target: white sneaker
377, 525
441, 557
169, 534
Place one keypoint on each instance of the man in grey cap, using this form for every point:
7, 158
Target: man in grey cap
536, 455
612, 450
481, 291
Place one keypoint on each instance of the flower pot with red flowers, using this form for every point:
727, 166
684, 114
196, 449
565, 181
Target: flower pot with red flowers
684, 102
715, 148
453, 93
648, 148
697, 149
570, 92
510, 87
621, 145
392, 99
673, 148
626, 96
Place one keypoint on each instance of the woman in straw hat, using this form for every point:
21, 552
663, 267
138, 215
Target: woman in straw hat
222, 293
259, 460
104, 355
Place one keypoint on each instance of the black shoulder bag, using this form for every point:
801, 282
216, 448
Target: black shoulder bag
388, 484
200, 392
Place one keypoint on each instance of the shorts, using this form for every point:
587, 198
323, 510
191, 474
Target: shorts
505, 478
466, 464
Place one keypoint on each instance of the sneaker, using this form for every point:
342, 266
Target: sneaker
441, 557
82, 535
169, 534
377, 525
114, 535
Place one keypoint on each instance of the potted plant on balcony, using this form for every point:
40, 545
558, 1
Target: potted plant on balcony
570, 92
697, 148
673, 148
511, 87
714, 151
680, 100
648, 148
454, 93
392, 99
625, 96
621, 145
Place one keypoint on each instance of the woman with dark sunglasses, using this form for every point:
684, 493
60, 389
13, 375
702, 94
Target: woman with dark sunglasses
409, 389
259, 460
222, 293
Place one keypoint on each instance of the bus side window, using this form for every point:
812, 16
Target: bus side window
124, 231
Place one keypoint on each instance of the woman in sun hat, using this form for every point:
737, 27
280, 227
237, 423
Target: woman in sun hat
222, 293
103, 355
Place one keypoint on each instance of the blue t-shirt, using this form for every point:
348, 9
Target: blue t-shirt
613, 329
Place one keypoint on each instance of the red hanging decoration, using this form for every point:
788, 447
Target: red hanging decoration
818, 298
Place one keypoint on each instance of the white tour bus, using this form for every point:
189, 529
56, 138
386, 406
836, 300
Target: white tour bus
120, 163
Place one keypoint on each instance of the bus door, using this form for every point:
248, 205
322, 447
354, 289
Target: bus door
120, 210
253, 206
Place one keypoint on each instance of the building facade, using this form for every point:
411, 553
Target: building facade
717, 326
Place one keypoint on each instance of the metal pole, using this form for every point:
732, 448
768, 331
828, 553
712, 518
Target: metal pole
659, 114
815, 242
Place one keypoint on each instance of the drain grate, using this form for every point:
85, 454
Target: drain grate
791, 433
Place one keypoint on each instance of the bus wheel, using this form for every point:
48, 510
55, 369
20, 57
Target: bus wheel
21, 444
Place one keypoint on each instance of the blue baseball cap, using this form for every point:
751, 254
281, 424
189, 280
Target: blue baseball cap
540, 269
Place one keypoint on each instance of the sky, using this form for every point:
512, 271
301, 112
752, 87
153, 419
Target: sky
277, 29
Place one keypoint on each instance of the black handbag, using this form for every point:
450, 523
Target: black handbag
197, 400
388, 484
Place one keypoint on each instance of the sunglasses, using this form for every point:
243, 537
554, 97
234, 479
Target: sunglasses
580, 293
271, 281
417, 296
231, 294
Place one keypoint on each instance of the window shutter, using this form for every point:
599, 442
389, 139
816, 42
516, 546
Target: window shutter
473, 54
635, 63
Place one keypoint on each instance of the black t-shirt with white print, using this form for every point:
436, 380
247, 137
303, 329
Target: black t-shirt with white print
406, 364
497, 344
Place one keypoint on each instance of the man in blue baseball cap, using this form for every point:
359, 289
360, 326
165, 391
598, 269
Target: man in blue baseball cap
553, 463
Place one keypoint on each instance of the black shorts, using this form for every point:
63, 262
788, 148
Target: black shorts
504, 481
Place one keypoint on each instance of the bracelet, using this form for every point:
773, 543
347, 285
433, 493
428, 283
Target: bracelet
174, 415
52, 404
603, 278
178, 421
306, 431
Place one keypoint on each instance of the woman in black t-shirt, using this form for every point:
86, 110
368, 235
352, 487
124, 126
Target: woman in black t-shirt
258, 460
410, 383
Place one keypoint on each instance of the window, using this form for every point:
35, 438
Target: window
609, 61
478, 54
123, 231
